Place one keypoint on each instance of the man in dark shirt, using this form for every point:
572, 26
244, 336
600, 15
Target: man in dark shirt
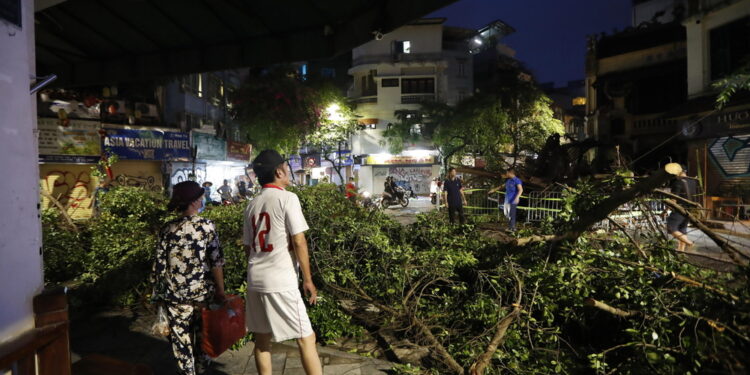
453, 195
677, 224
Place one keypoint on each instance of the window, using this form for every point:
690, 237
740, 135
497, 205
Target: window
389, 82
418, 86
730, 47
193, 83
328, 72
214, 89
462, 67
369, 88
461, 95
401, 46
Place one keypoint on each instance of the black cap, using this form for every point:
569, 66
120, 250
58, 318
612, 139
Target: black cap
185, 192
267, 161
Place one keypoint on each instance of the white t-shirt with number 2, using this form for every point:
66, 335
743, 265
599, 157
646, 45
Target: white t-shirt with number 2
271, 219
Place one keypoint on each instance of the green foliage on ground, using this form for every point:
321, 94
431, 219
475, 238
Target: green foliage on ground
458, 285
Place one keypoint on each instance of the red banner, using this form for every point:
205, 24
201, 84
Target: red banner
239, 151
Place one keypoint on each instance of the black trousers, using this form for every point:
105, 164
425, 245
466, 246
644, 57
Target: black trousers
453, 210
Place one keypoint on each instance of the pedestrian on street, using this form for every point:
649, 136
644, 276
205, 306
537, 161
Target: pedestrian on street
351, 190
241, 190
207, 192
187, 275
99, 192
513, 190
677, 224
453, 195
275, 308
225, 192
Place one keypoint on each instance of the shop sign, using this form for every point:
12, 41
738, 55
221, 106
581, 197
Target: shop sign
134, 144
239, 151
344, 160
76, 142
396, 159
720, 124
310, 161
732, 155
209, 147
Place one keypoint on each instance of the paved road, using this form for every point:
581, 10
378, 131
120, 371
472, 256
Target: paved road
408, 215
706, 246
125, 335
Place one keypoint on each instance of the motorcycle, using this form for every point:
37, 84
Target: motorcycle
368, 202
399, 198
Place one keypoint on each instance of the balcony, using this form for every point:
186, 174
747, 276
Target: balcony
653, 124
417, 98
365, 99
395, 58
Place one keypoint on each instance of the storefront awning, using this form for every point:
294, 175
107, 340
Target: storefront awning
88, 42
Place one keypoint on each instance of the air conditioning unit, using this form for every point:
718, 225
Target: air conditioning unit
146, 110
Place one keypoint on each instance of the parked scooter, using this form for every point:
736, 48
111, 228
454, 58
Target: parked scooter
398, 198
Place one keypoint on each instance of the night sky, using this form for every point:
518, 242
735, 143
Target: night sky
550, 35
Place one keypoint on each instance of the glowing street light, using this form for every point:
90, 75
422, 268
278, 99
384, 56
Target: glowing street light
334, 113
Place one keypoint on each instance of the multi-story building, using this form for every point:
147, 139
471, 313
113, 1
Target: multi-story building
200, 104
632, 79
651, 90
422, 61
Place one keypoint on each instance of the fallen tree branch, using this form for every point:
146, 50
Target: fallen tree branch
632, 240
602, 210
723, 243
502, 328
610, 309
678, 198
679, 277
62, 209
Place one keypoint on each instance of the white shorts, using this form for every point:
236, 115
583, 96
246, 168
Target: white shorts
281, 314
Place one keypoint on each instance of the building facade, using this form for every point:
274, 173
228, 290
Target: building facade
651, 90
422, 61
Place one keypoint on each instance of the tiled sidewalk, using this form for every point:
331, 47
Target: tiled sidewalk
125, 335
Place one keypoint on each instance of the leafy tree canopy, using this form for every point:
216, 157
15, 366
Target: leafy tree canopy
506, 121
281, 110
731, 85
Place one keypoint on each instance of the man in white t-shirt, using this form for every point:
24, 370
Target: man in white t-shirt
275, 245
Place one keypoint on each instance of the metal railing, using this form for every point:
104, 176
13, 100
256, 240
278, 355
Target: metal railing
542, 204
417, 98
478, 202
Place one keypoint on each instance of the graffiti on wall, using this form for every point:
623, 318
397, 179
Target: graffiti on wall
144, 175
732, 155
410, 173
71, 185
418, 177
180, 172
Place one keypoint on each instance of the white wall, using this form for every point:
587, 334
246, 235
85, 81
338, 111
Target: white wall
644, 12
698, 43
423, 38
20, 230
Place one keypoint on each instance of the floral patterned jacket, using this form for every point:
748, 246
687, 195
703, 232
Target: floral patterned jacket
187, 249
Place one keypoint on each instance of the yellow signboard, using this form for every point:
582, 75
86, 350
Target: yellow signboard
398, 159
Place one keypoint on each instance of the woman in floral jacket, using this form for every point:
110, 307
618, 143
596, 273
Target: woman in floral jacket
188, 274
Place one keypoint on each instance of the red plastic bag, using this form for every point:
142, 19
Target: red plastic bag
224, 326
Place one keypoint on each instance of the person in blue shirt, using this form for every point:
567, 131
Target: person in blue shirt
513, 190
453, 195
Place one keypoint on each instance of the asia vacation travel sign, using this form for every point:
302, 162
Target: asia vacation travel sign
75, 141
239, 151
131, 144
209, 147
